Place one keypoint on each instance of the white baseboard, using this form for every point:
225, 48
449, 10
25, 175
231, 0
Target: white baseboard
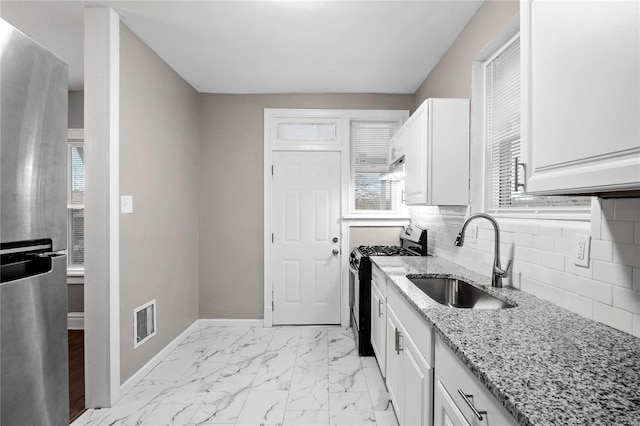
345, 316
268, 316
231, 323
75, 321
139, 375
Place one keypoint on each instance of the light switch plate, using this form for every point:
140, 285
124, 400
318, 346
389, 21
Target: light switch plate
582, 250
126, 204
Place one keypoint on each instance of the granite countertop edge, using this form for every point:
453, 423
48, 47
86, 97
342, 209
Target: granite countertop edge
476, 356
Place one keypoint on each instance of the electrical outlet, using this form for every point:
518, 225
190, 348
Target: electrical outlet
126, 204
582, 250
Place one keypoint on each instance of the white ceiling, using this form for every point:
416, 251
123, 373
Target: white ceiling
268, 46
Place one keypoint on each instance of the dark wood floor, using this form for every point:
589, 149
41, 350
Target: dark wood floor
76, 374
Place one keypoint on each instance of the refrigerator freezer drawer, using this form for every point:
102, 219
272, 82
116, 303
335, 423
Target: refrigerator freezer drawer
34, 378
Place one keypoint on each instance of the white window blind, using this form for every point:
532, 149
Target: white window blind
75, 204
502, 133
369, 161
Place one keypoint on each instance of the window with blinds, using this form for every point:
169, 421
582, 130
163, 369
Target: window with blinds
502, 136
75, 204
369, 161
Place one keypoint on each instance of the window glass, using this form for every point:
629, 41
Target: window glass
369, 161
75, 205
505, 174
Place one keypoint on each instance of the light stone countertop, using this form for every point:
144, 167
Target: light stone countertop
546, 365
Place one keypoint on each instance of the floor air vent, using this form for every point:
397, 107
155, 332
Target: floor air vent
144, 323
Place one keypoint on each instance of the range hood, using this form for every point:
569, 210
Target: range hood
396, 171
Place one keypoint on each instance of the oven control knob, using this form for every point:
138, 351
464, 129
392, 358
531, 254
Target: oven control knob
335, 252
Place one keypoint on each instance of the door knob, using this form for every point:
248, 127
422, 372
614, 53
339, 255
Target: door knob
335, 252
335, 239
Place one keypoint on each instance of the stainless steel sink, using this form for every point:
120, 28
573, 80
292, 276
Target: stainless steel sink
457, 294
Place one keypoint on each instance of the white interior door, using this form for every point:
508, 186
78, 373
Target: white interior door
306, 220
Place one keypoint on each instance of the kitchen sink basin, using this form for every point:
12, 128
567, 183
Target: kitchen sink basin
457, 294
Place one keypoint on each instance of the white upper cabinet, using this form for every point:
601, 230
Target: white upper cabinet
437, 153
581, 96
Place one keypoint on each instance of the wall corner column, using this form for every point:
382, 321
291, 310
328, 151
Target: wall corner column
102, 269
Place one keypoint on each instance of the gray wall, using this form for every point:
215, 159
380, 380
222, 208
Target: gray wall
158, 166
451, 77
76, 110
231, 193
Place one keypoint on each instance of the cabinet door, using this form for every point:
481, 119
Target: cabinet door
581, 96
415, 381
445, 411
416, 157
378, 327
393, 362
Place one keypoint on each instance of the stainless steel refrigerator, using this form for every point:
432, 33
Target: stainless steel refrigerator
34, 381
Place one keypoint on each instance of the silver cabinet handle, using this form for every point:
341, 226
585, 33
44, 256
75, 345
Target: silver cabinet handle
379, 308
470, 404
518, 185
398, 336
335, 252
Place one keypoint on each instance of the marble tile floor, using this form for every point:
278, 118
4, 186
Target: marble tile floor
256, 376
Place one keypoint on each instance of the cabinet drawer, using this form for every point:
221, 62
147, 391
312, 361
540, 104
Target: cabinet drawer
454, 377
379, 278
421, 333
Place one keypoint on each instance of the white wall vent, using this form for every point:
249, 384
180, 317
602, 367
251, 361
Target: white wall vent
144, 323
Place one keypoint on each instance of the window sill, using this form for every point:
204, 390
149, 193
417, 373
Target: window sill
560, 215
376, 220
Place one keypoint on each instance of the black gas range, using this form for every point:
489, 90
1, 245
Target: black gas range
413, 242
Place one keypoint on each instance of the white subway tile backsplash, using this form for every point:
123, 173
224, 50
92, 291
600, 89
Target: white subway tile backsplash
627, 254
613, 317
572, 231
607, 207
543, 242
543, 252
525, 240
626, 299
564, 245
553, 260
578, 304
620, 232
596, 290
580, 271
551, 231
596, 219
613, 273
602, 250
627, 209
565, 281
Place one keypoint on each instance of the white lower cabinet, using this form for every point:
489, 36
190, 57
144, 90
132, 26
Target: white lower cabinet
460, 398
378, 323
409, 375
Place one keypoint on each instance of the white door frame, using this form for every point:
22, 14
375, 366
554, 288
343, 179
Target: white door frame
271, 117
343, 117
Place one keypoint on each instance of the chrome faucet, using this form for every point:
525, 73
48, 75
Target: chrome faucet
498, 273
